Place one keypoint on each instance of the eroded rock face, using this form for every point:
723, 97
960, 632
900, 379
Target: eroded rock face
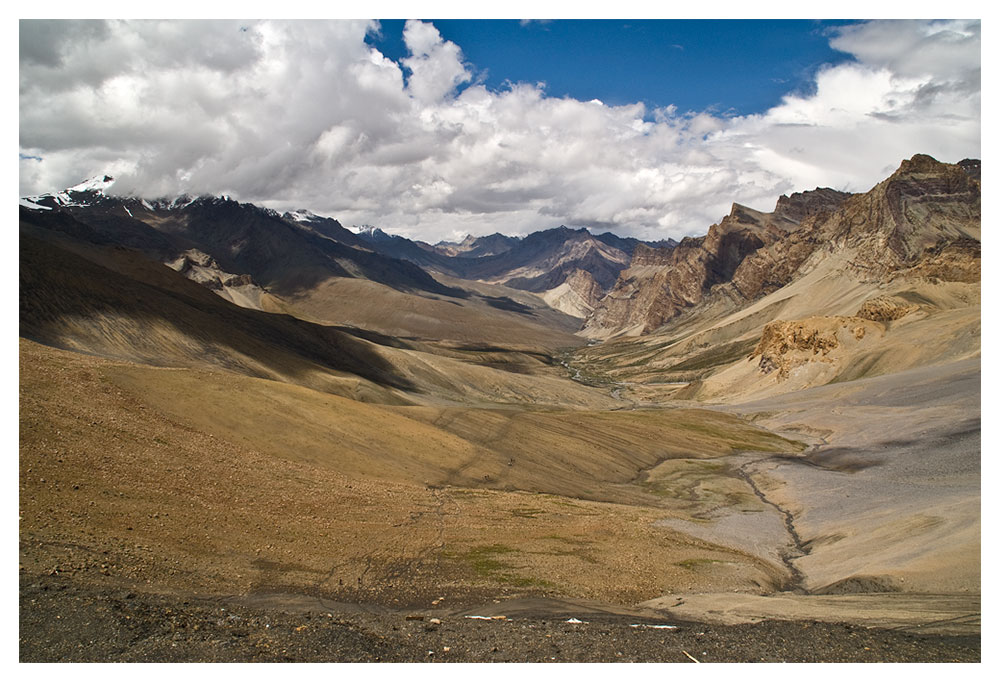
660, 283
923, 205
957, 261
802, 205
785, 345
648, 255
576, 296
924, 219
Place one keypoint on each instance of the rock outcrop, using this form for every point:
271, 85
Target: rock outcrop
202, 268
802, 205
924, 205
661, 283
786, 345
885, 309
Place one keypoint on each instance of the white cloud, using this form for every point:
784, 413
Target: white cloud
914, 87
306, 115
435, 65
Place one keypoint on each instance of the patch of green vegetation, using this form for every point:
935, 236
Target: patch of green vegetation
698, 488
693, 564
716, 355
520, 581
483, 559
487, 562
736, 435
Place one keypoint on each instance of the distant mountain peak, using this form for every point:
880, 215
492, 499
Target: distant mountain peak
98, 183
82, 194
302, 215
371, 233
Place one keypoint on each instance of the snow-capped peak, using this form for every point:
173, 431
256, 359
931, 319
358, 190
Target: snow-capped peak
98, 183
82, 194
370, 232
303, 216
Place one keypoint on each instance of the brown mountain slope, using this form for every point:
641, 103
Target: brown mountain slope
895, 270
660, 284
232, 248
577, 295
126, 307
488, 315
211, 482
923, 206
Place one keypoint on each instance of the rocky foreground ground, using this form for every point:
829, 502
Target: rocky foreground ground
65, 620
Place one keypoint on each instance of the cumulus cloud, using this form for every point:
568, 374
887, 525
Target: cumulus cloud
307, 115
914, 87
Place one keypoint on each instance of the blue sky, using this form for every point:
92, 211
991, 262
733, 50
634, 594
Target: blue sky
435, 129
733, 67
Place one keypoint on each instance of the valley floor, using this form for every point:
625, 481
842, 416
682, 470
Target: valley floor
159, 524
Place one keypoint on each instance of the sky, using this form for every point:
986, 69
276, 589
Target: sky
699, 64
437, 129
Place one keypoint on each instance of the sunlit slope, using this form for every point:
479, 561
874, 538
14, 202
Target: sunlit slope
892, 491
833, 328
584, 454
867, 285
190, 479
492, 314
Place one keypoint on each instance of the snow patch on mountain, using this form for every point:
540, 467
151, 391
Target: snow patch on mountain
85, 193
371, 233
28, 203
302, 216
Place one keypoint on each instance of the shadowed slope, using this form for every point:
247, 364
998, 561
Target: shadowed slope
116, 303
146, 312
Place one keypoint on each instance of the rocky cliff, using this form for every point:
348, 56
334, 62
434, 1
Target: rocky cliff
576, 296
661, 283
924, 219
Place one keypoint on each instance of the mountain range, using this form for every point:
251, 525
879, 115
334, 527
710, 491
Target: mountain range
780, 415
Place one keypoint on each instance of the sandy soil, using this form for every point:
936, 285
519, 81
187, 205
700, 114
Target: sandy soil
892, 489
